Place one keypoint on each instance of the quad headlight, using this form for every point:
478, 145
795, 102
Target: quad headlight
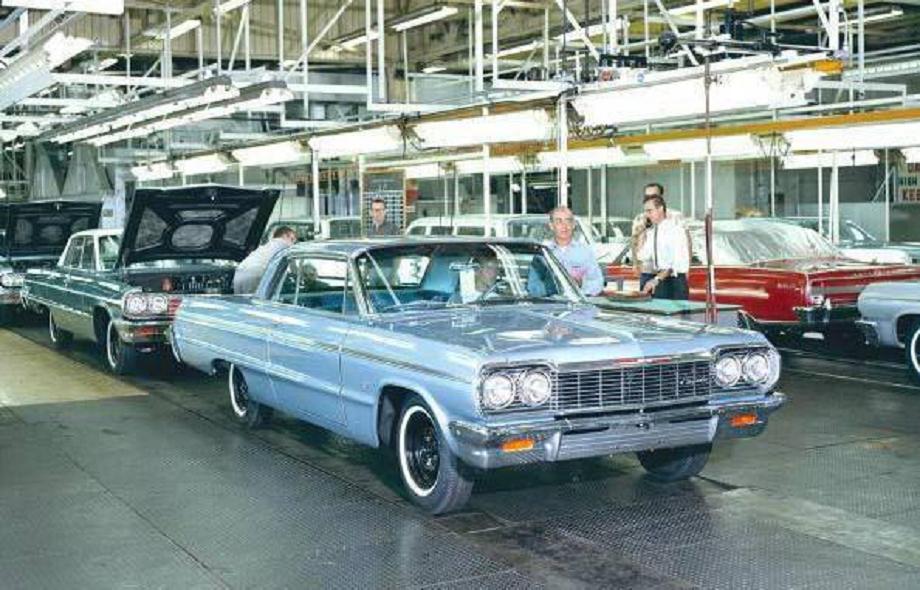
757, 368
516, 388
535, 388
140, 305
11, 280
497, 391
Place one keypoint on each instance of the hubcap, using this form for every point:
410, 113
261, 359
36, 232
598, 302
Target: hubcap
113, 346
422, 456
915, 351
239, 392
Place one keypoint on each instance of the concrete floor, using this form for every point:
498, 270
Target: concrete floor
147, 482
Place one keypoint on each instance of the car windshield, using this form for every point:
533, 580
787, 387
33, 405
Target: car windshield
427, 275
745, 242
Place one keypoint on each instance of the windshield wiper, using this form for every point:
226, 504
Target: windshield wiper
527, 299
417, 304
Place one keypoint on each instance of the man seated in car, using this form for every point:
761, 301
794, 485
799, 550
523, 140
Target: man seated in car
478, 280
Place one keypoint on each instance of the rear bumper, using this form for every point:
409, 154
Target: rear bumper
819, 316
480, 446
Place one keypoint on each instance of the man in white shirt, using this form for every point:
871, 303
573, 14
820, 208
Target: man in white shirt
577, 258
249, 273
662, 250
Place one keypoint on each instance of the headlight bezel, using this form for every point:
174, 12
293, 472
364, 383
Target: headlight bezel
524, 388
516, 374
140, 305
497, 378
745, 357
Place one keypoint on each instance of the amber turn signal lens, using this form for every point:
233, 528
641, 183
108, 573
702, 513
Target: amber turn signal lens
516, 445
742, 420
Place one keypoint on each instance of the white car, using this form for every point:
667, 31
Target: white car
891, 317
534, 226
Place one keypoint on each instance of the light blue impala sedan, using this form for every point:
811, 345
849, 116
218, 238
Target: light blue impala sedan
466, 356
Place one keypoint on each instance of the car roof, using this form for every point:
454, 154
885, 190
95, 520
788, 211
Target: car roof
97, 233
353, 246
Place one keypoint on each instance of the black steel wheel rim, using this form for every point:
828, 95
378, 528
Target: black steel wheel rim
422, 451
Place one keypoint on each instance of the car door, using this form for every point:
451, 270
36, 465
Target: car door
80, 284
311, 311
59, 294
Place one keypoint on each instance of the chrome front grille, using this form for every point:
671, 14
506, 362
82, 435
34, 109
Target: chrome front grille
631, 386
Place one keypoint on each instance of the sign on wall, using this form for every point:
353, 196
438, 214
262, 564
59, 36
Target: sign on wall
909, 183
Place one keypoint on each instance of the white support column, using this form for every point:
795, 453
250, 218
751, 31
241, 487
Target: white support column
368, 49
314, 177
699, 31
683, 205
820, 195
381, 51
835, 200
604, 199
887, 197
487, 186
247, 39
217, 36
362, 169
405, 54
445, 211
562, 142
511, 193
456, 193
773, 187
861, 51
280, 34
199, 48
478, 46
524, 191
590, 191
304, 45
496, 10
546, 42
693, 189
614, 25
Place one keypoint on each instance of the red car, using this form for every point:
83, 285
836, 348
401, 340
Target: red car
786, 278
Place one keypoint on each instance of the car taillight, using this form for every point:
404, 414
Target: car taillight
174, 304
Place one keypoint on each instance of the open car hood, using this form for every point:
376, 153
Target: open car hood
195, 222
41, 229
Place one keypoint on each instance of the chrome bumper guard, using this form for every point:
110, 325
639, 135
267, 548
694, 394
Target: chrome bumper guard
480, 446
820, 315
143, 331
869, 331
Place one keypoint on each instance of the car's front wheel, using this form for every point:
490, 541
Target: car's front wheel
120, 356
912, 351
430, 472
59, 338
667, 465
246, 410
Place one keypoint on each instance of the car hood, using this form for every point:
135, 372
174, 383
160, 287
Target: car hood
195, 222
40, 229
565, 334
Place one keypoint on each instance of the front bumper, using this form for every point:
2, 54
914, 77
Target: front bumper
819, 315
869, 331
553, 439
143, 332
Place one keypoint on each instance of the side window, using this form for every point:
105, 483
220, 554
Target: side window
440, 230
316, 283
108, 251
72, 257
418, 230
471, 230
88, 257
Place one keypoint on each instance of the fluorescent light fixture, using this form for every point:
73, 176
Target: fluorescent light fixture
501, 165
352, 143
253, 98
427, 15
206, 164
665, 95
881, 16
230, 5
826, 160
354, 40
211, 91
525, 48
278, 153
153, 171
692, 8
419, 171
433, 69
27, 129
30, 72
879, 136
911, 155
530, 125
587, 158
88, 6
162, 33
731, 147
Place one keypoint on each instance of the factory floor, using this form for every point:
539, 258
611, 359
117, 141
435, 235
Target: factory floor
147, 482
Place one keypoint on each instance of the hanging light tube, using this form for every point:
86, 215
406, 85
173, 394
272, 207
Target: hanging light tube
530, 125
427, 15
278, 153
162, 33
366, 141
206, 164
153, 171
